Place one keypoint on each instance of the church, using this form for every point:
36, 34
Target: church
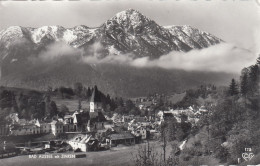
90, 119
96, 117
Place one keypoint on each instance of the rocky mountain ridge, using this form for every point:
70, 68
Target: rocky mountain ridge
127, 32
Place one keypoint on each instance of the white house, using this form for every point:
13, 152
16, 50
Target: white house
140, 131
81, 142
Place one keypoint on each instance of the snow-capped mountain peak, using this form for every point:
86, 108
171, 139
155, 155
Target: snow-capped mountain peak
128, 31
131, 16
194, 37
50, 32
11, 32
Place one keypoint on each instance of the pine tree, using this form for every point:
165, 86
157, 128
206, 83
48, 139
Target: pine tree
88, 93
233, 88
244, 87
53, 109
254, 73
78, 88
79, 105
24, 114
47, 101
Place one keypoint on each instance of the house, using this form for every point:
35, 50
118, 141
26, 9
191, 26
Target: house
96, 121
141, 119
164, 115
141, 131
68, 125
83, 143
24, 129
121, 138
68, 119
203, 109
56, 127
127, 118
80, 121
72, 122
14, 117
44, 126
117, 118
76, 121
141, 106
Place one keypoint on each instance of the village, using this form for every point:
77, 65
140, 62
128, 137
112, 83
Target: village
89, 129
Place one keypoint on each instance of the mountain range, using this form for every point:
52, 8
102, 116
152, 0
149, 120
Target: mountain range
127, 33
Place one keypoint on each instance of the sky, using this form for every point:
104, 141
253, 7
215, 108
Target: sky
235, 21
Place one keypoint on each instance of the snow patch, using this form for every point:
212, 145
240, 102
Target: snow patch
92, 31
39, 33
69, 37
113, 51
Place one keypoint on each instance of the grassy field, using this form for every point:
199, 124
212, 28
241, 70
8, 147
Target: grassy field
176, 97
119, 156
72, 104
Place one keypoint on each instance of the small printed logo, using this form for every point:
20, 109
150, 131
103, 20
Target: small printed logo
248, 156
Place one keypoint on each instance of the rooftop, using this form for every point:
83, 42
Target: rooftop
95, 97
122, 135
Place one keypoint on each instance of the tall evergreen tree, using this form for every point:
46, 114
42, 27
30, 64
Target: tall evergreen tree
79, 105
244, 87
233, 88
254, 73
78, 88
53, 109
47, 101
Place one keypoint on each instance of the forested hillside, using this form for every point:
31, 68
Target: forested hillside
228, 129
232, 123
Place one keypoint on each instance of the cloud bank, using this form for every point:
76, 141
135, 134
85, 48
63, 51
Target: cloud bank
219, 58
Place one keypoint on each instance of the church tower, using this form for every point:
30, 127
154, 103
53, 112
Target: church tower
95, 101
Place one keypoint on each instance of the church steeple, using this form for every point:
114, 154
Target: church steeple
95, 97
95, 101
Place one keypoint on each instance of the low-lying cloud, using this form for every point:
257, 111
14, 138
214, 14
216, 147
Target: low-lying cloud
59, 50
219, 58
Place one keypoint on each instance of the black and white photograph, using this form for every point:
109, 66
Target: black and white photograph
129, 82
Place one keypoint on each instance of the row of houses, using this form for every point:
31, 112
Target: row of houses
54, 127
79, 121
192, 114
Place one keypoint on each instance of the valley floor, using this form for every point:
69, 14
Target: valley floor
117, 156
